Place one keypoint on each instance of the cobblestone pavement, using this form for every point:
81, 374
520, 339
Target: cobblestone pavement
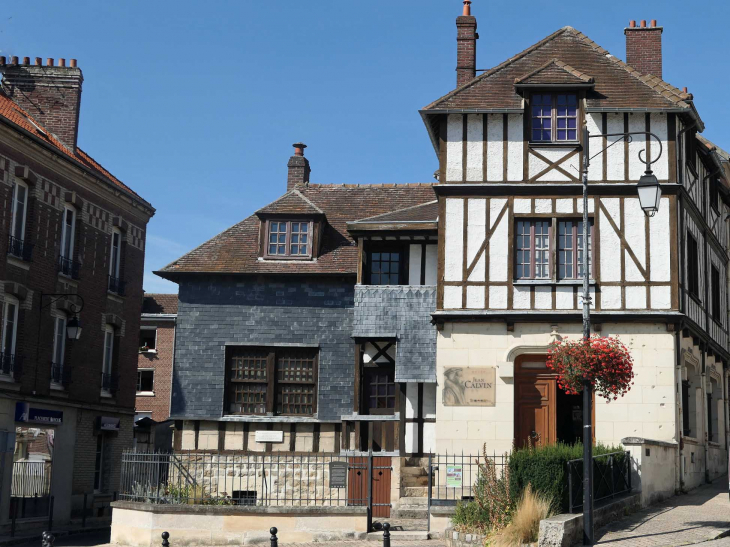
370, 543
697, 517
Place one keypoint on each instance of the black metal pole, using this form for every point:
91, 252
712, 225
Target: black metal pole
14, 513
165, 537
50, 515
587, 387
274, 539
83, 513
386, 534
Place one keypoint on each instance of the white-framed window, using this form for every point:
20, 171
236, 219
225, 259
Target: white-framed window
98, 462
148, 339
114, 257
106, 369
68, 232
59, 347
19, 211
10, 325
145, 381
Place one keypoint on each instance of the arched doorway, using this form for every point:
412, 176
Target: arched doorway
544, 414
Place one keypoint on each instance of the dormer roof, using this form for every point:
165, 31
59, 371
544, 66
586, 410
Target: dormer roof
293, 202
555, 73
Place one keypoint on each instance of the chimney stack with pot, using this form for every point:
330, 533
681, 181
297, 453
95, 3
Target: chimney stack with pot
644, 47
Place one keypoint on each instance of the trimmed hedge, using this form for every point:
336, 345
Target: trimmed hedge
546, 469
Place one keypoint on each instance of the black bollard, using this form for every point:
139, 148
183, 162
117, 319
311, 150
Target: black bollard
386, 534
165, 537
274, 539
47, 539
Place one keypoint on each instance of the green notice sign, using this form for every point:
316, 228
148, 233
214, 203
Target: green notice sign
454, 476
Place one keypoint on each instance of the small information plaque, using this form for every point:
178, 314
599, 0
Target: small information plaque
265, 436
454, 476
338, 474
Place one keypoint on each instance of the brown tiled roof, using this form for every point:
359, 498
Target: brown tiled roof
617, 85
291, 202
555, 72
159, 303
19, 117
236, 250
425, 212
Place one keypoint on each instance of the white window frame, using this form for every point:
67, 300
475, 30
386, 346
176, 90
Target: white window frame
15, 212
152, 350
59, 336
64, 227
108, 357
8, 301
114, 264
147, 393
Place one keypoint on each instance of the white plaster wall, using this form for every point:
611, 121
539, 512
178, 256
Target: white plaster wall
536, 165
431, 264
475, 298
648, 410
659, 236
495, 148
515, 147
615, 154
635, 234
452, 298
454, 240
659, 128
499, 242
454, 148
595, 127
637, 122
476, 232
414, 264
610, 242
474, 148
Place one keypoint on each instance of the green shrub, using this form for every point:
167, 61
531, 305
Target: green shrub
546, 469
470, 517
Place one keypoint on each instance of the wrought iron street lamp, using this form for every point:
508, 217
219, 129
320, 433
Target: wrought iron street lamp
650, 193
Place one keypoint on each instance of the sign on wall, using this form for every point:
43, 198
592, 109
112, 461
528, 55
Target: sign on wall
27, 414
338, 474
465, 386
454, 476
265, 436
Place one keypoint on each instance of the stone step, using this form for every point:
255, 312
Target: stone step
409, 481
416, 462
399, 535
410, 512
412, 502
413, 471
414, 491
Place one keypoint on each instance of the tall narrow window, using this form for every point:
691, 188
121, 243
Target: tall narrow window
533, 249
20, 210
570, 249
249, 379
98, 462
115, 284
710, 423
59, 350
716, 296
686, 431
693, 266
295, 382
106, 370
68, 233
9, 334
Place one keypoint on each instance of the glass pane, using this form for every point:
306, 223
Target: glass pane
572, 135
304, 227
272, 249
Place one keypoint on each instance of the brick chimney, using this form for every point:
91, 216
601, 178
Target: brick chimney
466, 46
644, 47
50, 94
298, 168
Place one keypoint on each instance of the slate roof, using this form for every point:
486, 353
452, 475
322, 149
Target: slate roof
159, 303
11, 112
555, 71
617, 85
236, 250
424, 212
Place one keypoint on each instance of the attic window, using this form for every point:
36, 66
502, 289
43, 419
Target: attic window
554, 117
289, 239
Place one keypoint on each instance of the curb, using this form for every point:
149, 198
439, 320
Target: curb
60, 533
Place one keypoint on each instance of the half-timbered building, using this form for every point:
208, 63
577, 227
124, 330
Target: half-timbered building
510, 150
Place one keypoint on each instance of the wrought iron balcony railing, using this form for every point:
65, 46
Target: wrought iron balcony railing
20, 248
11, 364
116, 285
109, 382
61, 374
68, 267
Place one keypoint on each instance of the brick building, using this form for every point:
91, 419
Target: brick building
154, 371
74, 238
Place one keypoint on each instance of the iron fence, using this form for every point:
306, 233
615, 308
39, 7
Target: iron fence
30, 490
233, 478
454, 477
20, 248
611, 478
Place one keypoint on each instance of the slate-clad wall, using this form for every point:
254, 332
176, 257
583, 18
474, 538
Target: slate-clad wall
220, 310
402, 311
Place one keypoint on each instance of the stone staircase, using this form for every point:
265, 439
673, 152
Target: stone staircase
410, 513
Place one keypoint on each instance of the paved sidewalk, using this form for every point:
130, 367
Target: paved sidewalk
699, 516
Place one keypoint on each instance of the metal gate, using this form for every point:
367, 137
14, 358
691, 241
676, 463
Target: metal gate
369, 479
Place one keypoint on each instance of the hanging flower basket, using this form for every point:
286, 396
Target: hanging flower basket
604, 361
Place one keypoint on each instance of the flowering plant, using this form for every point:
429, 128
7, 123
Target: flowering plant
604, 361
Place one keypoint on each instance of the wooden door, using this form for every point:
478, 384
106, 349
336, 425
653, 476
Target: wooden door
535, 402
382, 467
357, 484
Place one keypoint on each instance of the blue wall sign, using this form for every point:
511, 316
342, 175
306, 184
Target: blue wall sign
27, 414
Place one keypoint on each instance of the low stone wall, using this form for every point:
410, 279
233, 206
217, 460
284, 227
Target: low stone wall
440, 520
453, 538
142, 524
566, 530
653, 468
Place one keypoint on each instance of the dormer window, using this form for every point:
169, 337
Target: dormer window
554, 117
289, 239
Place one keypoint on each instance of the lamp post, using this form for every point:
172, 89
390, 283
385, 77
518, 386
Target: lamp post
650, 193
73, 326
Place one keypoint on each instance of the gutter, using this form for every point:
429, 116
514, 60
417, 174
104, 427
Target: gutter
78, 164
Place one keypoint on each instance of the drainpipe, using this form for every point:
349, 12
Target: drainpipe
679, 465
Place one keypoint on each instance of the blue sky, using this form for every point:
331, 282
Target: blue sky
195, 105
